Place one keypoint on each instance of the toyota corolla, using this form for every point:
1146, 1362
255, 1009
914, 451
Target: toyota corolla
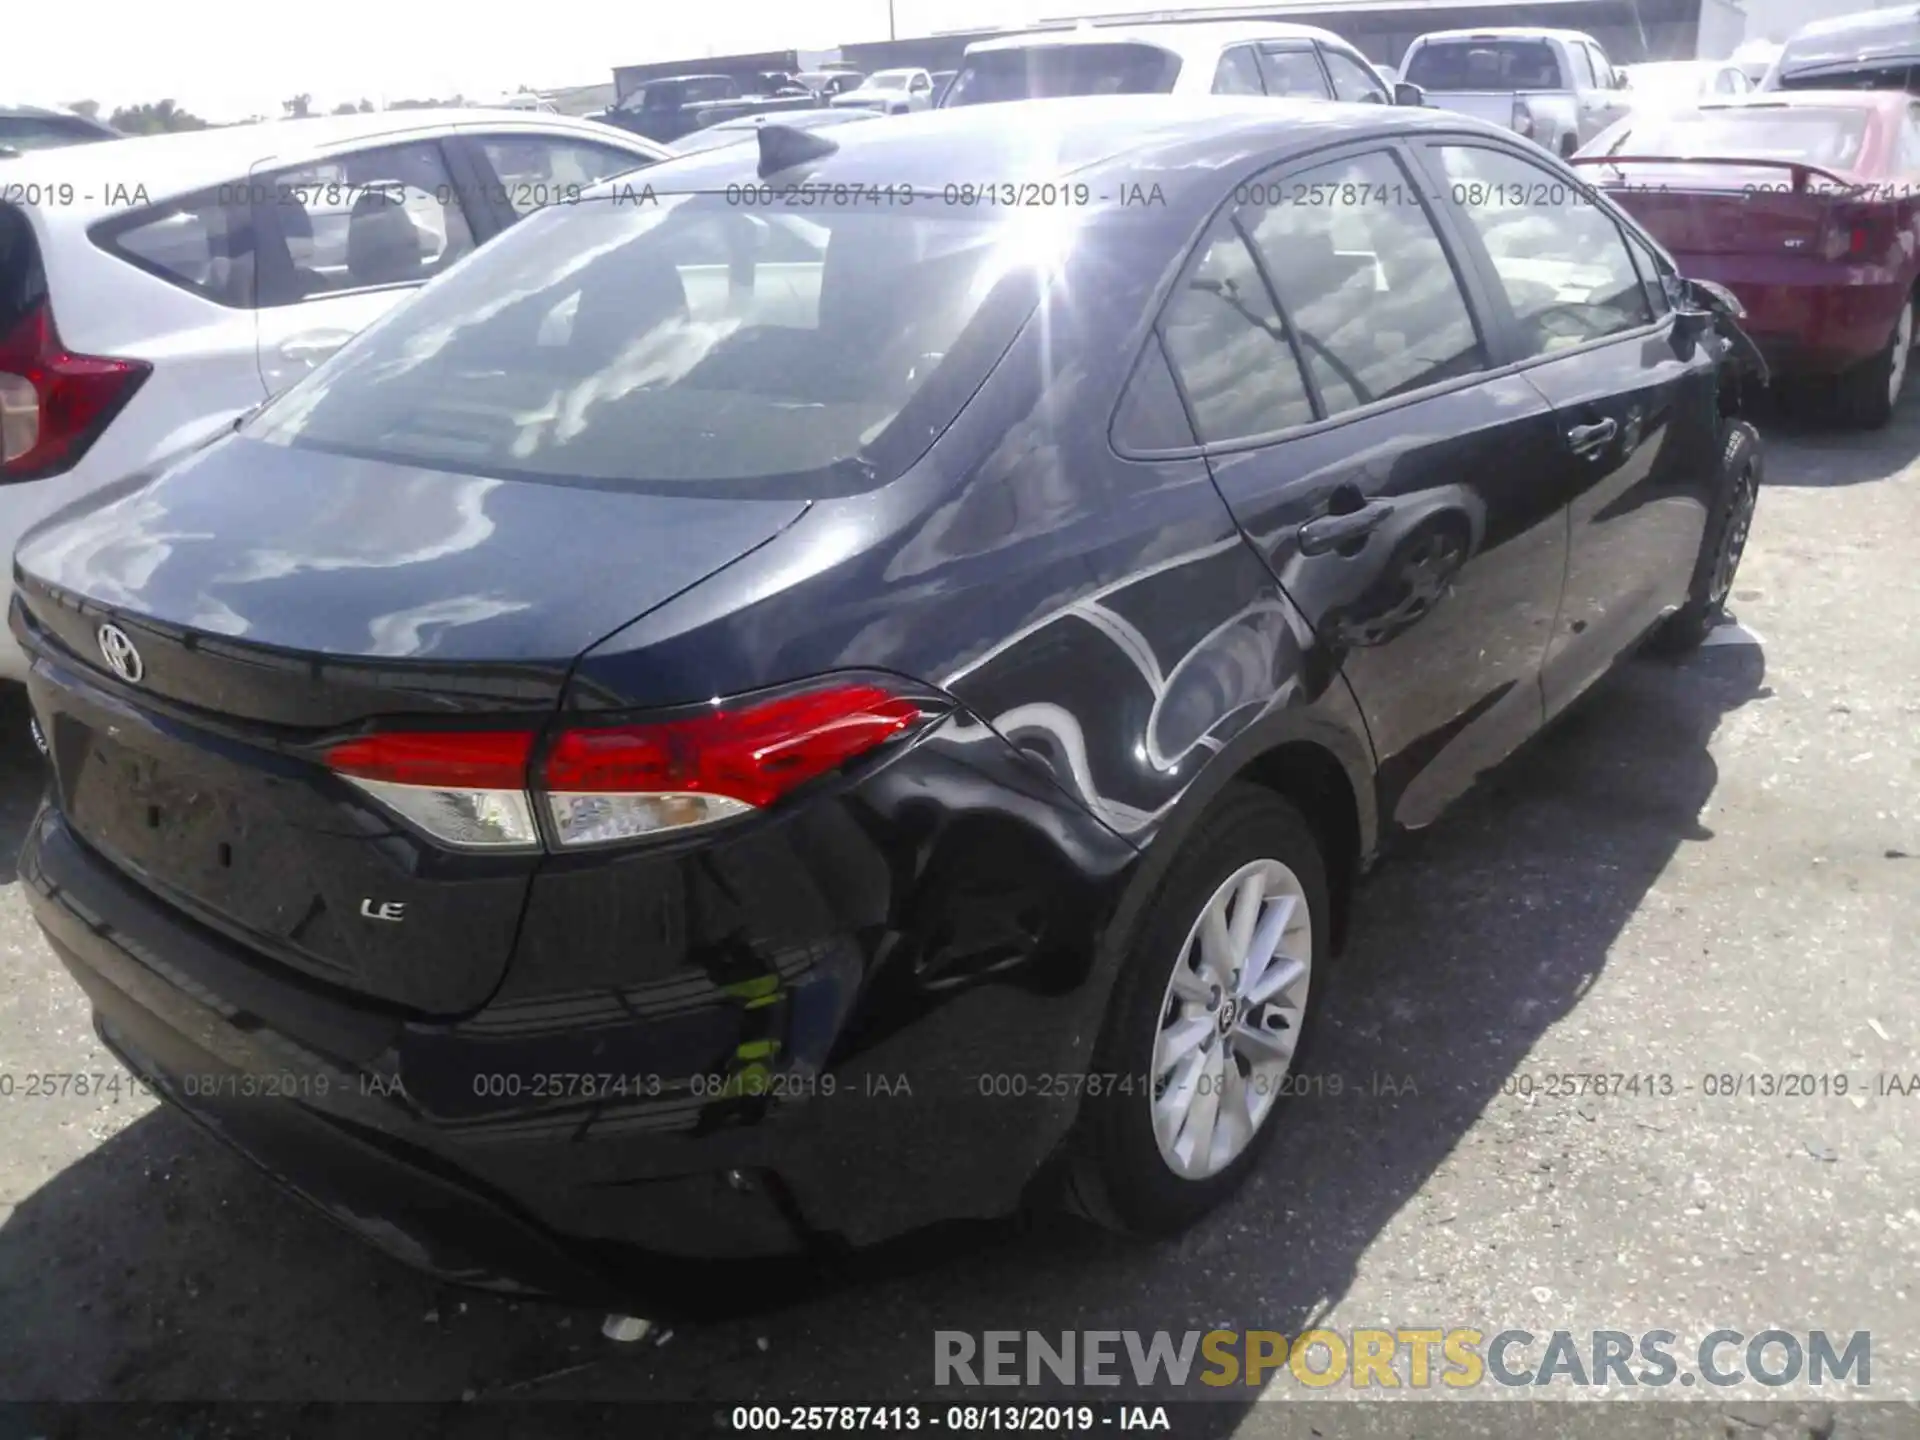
828, 696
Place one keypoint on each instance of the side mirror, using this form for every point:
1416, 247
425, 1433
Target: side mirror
1408, 94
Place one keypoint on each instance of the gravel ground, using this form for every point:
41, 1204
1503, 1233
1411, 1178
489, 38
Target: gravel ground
1709, 868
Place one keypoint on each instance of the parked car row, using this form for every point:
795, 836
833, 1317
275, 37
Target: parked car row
153, 289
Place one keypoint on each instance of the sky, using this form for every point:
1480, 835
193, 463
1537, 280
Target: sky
228, 59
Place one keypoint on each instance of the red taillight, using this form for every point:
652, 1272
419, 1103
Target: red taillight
479, 759
473, 789
611, 784
53, 403
1856, 235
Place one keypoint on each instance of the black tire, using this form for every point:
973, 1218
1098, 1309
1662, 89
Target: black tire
1721, 545
1117, 1177
1864, 395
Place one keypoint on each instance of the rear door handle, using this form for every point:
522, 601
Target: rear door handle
1585, 439
1333, 532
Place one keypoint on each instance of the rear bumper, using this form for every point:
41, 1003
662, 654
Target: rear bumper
431, 1140
1808, 317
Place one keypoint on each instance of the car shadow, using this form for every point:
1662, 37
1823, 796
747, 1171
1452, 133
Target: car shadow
1826, 452
159, 1267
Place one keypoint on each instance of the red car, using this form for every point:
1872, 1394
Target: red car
1806, 205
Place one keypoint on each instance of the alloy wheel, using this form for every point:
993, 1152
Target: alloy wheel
1230, 1019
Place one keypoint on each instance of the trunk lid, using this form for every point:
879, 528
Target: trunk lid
1728, 208
276, 597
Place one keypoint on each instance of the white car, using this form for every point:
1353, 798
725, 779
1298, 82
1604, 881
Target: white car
1683, 82
154, 290
1202, 57
891, 92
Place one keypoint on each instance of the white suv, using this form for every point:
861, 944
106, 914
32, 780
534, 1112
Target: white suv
1202, 57
155, 289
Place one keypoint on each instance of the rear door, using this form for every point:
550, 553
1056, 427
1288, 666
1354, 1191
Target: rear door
1636, 408
1329, 352
344, 239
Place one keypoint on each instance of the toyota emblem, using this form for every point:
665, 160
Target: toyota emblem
120, 655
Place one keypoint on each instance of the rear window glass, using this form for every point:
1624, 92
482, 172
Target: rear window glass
203, 243
1813, 135
22, 282
685, 343
44, 132
1049, 71
1862, 42
1486, 65
1858, 77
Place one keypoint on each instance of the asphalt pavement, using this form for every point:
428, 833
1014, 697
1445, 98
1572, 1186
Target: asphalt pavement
1710, 870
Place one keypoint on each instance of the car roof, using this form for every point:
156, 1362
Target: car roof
1174, 141
99, 176
1505, 32
1186, 38
1858, 20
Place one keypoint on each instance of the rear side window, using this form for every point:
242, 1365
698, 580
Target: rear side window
689, 343
1486, 65
1229, 348
1293, 72
1047, 71
1238, 73
1150, 416
203, 243
1373, 302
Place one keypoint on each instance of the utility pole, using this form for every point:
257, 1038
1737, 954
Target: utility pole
891, 35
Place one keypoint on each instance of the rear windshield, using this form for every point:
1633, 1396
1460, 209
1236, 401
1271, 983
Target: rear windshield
1049, 71
1814, 135
1896, 36
670, 94
684, 342
1486, 65
23, 285
46, 132
1866, 77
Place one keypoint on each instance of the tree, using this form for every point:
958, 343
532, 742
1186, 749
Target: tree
366, 107
88, 108
299, 107
346, 108
157, 117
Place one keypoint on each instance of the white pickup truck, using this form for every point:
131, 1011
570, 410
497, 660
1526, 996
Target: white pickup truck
1556, 87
